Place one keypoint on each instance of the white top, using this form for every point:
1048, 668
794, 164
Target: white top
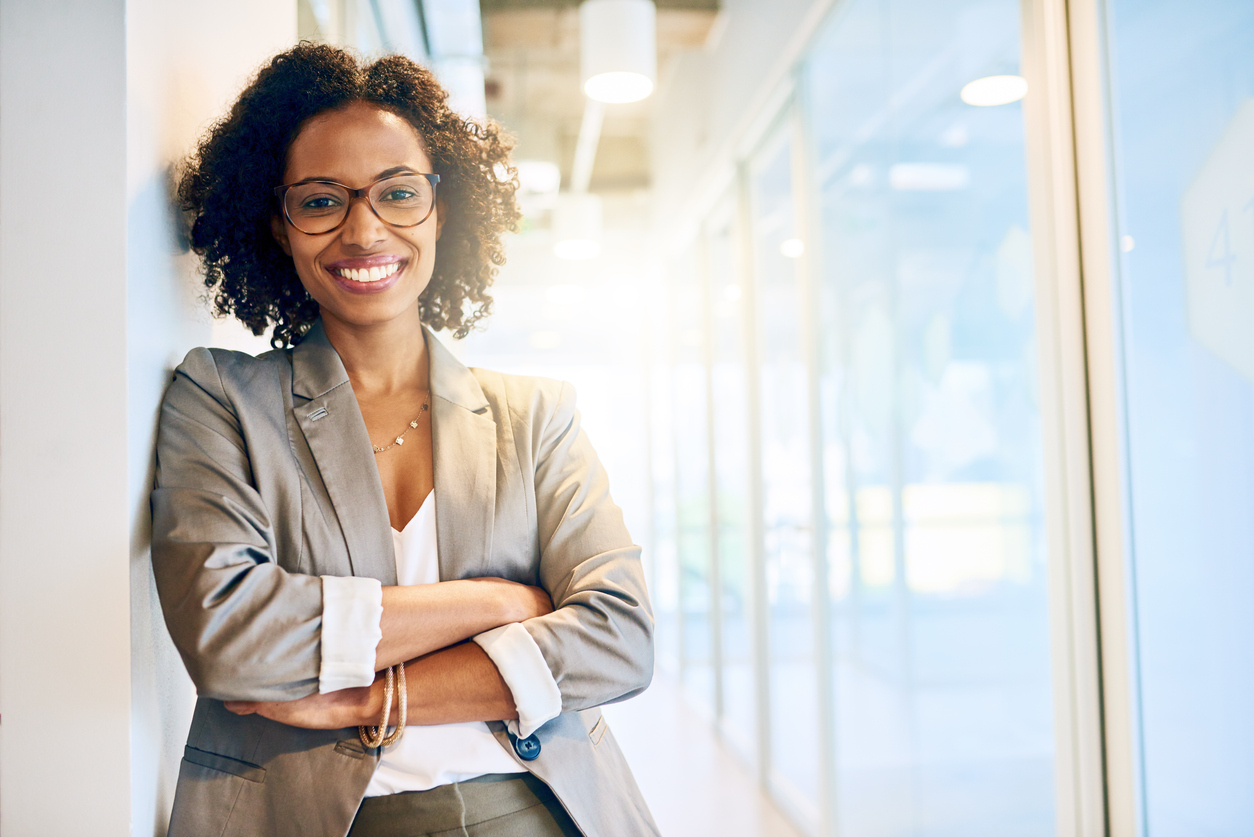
428, 756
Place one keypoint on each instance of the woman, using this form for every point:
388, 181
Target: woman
335, 519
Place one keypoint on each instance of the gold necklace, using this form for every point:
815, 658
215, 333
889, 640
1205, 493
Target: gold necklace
400, 440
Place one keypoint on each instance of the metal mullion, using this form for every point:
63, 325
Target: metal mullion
1096, 193
756, 535
715, 613
681, 651
1060, 312
806, 220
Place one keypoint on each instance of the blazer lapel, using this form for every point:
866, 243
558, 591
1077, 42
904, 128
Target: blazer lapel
463, 440
333, 427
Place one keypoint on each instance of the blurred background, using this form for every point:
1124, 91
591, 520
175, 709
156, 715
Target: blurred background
913, 334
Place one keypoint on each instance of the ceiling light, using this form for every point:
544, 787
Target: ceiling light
577, 249
792, 248
539, 176
618, 87
577, 226
929, 177
994, 90
618, 49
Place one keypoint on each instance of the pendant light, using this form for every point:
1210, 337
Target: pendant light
618, 49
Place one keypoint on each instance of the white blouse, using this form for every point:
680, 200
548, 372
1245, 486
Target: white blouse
428, 756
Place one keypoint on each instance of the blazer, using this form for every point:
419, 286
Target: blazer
266, 480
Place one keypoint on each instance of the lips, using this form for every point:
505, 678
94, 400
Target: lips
367, 275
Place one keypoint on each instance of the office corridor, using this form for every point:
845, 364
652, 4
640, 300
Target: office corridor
695, 786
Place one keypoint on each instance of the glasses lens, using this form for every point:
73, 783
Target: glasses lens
404, 200
316, 207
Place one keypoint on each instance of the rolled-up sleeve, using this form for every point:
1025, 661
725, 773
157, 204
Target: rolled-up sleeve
246, 628
352, 609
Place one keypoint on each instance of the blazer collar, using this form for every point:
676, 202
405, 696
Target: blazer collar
463, 441
317, 369
316, 366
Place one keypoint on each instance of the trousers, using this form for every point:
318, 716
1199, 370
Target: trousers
503, 805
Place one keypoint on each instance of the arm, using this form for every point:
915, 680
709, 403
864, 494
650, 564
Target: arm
450, 686
427, 617
598, 643
245, 627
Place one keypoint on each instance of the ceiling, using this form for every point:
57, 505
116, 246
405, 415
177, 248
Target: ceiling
533, 85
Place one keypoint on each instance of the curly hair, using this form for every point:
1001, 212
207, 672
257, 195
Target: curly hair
226, 187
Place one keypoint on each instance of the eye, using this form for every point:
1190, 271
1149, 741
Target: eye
314, 203
399, 193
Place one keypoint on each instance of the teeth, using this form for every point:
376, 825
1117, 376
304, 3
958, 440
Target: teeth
371, 274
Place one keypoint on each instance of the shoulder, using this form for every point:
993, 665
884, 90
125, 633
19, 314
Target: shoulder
530, 400
223, 376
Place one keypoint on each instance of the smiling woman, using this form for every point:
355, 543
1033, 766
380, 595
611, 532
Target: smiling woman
229, 183
354, 531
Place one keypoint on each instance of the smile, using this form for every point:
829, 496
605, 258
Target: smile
368, 274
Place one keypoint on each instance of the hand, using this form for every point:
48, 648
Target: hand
334, 710
530, 602
519, 602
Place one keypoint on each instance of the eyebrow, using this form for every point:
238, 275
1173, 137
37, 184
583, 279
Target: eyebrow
385, 173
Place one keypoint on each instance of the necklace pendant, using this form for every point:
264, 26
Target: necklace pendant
414, 423
400, 440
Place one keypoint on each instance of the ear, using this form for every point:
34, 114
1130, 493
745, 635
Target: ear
279, 230
439, 217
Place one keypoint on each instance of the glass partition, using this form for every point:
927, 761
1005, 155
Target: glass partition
730, 406
786, 520
692, 468
932, 439
1182, 99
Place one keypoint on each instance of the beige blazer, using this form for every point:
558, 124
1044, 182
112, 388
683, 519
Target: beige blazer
266, 481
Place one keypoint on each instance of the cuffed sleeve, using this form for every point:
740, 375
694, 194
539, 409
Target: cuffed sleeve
351, 611
522, 666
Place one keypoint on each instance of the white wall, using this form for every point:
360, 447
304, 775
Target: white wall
64, 522
97, 303
186, 61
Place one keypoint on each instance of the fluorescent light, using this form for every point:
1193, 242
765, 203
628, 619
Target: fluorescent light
618, 87
539, 177
577, 226
929, 177
577, 249
792, 248
994, 90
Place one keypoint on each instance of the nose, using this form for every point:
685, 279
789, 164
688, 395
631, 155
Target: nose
362, 228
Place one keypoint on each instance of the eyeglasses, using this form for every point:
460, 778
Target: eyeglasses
320, 206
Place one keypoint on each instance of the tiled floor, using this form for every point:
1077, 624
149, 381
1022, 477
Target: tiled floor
694, 785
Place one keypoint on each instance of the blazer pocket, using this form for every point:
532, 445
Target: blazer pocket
224, 764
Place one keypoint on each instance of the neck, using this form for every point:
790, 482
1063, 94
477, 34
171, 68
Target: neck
381, 358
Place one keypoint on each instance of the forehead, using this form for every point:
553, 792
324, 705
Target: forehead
353, 145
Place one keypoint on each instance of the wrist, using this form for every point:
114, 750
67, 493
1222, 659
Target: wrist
369, 706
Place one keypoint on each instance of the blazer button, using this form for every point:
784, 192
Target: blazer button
528, 749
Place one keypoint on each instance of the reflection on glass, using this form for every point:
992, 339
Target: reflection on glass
731, 467
692, 493
787, 527
932, 454
1182, 87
